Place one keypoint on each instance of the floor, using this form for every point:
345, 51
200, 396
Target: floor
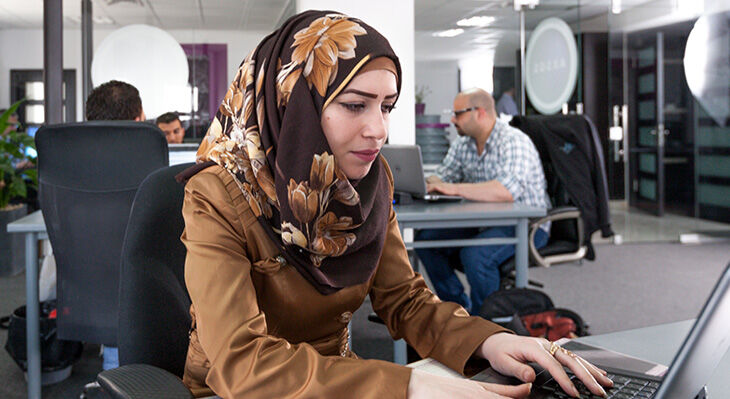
635, 226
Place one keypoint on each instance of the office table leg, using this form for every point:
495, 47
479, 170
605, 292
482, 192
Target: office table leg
32, 316
400, 352
521, 254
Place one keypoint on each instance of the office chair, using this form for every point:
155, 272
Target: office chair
154, 305
572, 159
88, 175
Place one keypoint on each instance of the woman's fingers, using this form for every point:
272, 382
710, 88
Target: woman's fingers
571, 360
599, 374
547, 360
508, 365
510, 391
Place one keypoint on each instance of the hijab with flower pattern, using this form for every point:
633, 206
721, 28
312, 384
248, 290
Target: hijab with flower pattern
267, 134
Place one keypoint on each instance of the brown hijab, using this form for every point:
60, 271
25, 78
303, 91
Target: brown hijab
267, 134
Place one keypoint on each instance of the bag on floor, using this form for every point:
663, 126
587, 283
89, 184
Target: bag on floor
56, 354
531, 312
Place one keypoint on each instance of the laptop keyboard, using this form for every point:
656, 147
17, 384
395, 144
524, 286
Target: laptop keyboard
623, 388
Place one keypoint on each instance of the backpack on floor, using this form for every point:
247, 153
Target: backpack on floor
531, 312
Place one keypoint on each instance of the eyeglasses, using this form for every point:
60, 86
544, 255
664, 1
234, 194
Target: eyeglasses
458, 112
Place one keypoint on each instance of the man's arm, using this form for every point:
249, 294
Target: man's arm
490, 191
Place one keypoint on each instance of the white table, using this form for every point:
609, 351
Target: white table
34, 229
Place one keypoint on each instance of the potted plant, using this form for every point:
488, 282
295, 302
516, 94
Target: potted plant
421, 93
17, 175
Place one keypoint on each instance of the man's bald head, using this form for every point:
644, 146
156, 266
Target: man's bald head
477, 97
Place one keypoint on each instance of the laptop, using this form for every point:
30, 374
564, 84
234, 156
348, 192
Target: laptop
407, 167
700, 353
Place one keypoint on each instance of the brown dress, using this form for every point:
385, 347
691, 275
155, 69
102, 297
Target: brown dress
260, 330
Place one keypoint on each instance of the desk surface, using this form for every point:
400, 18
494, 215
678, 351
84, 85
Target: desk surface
424, 211
657, 343
30, 223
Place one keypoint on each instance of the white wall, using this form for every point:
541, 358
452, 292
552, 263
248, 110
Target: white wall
442, 79
23, 49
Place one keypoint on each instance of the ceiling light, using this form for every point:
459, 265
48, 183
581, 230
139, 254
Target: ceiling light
616, 6
483, 20
449, 32
101, 20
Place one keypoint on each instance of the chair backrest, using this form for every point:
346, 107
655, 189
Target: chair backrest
88, 175
154, 305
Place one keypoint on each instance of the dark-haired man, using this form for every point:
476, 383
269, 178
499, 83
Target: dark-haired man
169, 123
114, 100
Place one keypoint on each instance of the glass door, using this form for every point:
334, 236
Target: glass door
646, 131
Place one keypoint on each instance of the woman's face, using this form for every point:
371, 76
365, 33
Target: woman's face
356, 121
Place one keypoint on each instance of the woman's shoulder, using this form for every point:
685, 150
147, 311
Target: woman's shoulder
218, 187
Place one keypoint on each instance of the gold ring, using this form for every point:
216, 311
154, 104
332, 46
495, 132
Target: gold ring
569, 353
553, 348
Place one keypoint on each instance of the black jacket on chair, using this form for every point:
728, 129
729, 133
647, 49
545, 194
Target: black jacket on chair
572, 156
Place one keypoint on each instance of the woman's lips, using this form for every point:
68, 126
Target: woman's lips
366, 155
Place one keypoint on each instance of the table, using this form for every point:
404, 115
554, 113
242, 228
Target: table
657, 344
34, 229
422, 215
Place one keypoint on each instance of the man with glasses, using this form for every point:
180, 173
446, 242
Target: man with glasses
492, 162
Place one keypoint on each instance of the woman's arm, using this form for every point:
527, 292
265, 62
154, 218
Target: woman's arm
442, 330
245, 361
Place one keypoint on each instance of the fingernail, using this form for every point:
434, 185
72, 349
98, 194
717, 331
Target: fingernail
529, 387
576, 394
603, 392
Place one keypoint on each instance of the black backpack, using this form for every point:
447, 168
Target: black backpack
55, 354
531, 312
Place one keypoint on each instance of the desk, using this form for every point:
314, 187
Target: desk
34, 229
468, 214
658, 344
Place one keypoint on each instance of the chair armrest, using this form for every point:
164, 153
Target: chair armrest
142, 381
555, 214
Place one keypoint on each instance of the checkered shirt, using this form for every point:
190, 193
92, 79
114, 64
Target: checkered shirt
508, 157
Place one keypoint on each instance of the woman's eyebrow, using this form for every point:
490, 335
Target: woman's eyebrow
366, 94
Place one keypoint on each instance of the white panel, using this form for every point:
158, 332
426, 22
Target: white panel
34, 90
34, 114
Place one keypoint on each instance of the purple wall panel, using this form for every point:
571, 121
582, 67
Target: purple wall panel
217, 54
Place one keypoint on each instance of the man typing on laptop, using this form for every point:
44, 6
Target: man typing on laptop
492, 162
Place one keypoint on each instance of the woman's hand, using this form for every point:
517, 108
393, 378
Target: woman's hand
508, 354
425, 385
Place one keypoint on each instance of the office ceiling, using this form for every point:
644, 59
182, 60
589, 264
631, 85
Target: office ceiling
264, 15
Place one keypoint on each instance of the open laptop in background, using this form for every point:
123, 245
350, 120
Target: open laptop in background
407, 168
693, 365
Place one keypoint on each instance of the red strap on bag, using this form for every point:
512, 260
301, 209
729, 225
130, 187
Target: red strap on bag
549, 325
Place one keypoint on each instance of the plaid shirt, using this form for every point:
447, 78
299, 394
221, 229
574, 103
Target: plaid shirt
508, 157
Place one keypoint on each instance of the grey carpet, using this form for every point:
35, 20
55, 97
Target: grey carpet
628, 286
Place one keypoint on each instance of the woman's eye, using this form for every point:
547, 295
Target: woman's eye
387, 108
353, 107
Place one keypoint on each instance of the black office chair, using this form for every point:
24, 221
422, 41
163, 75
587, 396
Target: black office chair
88, 175
154, 305
572, 159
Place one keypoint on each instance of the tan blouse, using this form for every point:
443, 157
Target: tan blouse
261, 331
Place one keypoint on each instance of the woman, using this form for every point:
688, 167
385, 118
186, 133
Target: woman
289, 226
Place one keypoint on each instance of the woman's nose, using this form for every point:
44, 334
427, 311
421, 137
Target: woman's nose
377, 126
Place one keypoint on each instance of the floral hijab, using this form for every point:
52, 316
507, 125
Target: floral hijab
267, 134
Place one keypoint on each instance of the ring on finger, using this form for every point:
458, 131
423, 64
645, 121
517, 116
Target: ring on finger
553, 348
569, 353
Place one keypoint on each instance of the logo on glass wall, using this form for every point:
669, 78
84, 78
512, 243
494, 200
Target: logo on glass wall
551, 65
